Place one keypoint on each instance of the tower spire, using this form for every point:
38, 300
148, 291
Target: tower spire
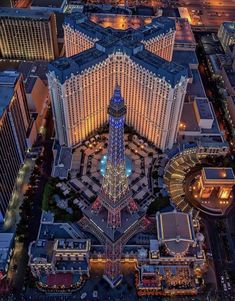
115, 193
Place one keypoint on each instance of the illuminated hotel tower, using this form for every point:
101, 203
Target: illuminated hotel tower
138, 61
26, 34
14, 123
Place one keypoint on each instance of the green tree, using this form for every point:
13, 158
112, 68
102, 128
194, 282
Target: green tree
158, 204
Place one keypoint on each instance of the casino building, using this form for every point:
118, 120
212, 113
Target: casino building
59, 257
176, 260
216, 183
139, 61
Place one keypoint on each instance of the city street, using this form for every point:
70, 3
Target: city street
218, 252
20, 256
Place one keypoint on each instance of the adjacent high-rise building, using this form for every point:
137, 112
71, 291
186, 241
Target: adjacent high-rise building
153, 87
14, 122
26, 34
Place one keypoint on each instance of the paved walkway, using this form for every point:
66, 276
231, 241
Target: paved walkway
12, 215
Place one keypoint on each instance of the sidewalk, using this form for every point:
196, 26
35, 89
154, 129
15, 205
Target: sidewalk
12, 215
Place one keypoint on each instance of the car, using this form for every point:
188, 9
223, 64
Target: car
229, 286
95, 294
225, 287
222, 279
83, 296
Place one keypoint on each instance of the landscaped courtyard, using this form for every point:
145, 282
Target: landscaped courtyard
67, 197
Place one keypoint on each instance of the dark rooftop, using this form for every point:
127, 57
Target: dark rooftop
229, 26
47, 3
230, 74
219, 173
204, 108
64, 67
24, 13
196, 88
7, 84
29, 84
211, 44
110, 41
36, 68
185, 58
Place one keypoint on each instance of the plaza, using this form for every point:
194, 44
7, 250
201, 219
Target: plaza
86, 168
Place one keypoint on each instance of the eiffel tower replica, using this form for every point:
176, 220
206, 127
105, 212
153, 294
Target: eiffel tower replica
114, 217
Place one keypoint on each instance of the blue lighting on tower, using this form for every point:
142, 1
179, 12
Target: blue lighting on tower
103, 164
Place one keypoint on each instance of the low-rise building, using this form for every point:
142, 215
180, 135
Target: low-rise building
216, 183
6, 240
198, 121
176, 258
59, 258
228, 75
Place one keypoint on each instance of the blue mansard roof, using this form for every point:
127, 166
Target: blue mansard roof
157, 27
110, 41
65, 67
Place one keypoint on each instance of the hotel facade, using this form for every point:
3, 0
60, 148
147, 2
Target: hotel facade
26, 34
153, 86
14, 122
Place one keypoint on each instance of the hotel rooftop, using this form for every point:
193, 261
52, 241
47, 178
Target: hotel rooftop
129, 42
8, 80
158, 26
24, 13
47, 3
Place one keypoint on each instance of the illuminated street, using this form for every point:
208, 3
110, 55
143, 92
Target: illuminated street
12, 216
